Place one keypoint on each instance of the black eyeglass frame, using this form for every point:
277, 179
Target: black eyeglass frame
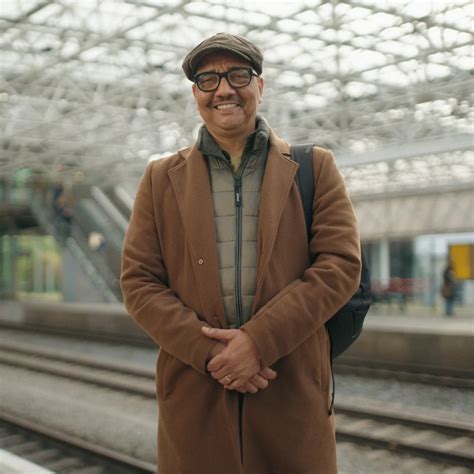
251, 72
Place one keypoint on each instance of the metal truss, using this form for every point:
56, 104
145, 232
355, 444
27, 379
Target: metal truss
91, 90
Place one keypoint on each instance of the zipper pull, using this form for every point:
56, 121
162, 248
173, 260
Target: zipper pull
238, 197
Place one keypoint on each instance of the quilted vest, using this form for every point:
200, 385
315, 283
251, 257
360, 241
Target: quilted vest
236, 199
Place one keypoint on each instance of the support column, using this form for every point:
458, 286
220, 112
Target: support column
384, 259
3, 264
9, 266
50, 278
38, 271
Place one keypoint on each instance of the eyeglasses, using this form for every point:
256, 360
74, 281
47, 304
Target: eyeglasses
237, 78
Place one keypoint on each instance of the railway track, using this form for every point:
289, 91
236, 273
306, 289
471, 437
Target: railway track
85, 369
59, 452
405, 373
440, 440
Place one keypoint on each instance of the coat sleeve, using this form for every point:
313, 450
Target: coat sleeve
148, 299
302, 307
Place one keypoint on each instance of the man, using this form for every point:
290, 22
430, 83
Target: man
448, 288
216, 269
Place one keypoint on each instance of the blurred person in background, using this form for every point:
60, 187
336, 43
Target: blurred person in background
216, 269
97, 241
448, 289
397, 293
62, 204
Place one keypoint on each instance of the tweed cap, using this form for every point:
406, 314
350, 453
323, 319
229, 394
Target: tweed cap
222, 42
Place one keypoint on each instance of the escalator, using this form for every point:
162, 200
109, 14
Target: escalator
90, 219
96, 213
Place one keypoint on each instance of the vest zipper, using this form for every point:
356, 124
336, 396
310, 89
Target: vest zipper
238, 270
238, 284
239, 318
238, 249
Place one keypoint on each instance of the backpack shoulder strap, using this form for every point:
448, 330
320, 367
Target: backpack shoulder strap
303, 155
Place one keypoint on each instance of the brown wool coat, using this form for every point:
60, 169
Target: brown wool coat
171, 286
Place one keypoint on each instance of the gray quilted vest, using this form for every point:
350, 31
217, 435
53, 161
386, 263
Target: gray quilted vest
236, 199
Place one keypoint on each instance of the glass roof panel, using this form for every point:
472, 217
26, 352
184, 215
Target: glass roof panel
103, 78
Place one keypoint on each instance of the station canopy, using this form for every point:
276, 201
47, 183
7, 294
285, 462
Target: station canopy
91, 90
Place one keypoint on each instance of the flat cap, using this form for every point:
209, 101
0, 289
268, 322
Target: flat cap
222, 42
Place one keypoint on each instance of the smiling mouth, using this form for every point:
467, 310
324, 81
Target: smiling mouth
225, 106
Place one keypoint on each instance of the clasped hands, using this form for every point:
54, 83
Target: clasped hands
235, 362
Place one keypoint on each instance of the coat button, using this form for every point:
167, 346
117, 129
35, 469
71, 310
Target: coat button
200, 261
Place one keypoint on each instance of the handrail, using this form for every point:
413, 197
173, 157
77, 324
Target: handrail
110, 209
124, 197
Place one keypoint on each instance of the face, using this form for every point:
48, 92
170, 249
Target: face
228, 111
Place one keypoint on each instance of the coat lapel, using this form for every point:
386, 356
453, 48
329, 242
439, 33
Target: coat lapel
279, 176
191, 186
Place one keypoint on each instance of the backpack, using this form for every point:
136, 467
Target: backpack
346, 325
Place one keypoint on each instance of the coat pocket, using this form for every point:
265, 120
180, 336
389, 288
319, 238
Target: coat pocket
170, 374
323, 355
160, 373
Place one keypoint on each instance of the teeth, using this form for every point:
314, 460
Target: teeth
225, 106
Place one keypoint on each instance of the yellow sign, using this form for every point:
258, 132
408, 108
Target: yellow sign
462, 258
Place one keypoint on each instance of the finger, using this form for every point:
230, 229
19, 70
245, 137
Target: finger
241, 390
259, 381
237, 383
220, 374
224, 381
217, 349
224, 335
268, 373
216, 363
251, 387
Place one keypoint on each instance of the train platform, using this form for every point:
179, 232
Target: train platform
420, 341
381, 314
417, 336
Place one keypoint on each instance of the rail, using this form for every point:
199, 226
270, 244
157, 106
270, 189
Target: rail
60, 452
438, 439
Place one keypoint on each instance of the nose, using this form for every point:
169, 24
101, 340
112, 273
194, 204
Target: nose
224, 88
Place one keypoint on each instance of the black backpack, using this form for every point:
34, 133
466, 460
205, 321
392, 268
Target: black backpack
346, 325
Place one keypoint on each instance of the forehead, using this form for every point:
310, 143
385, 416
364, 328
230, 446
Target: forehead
221, 61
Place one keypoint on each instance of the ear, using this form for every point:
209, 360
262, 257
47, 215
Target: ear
194, 90
261, 86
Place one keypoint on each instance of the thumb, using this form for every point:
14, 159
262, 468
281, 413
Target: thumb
224, 335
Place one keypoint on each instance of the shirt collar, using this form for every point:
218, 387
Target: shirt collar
255, 146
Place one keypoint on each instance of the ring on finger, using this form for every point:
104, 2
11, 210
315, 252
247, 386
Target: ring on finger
228, 380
